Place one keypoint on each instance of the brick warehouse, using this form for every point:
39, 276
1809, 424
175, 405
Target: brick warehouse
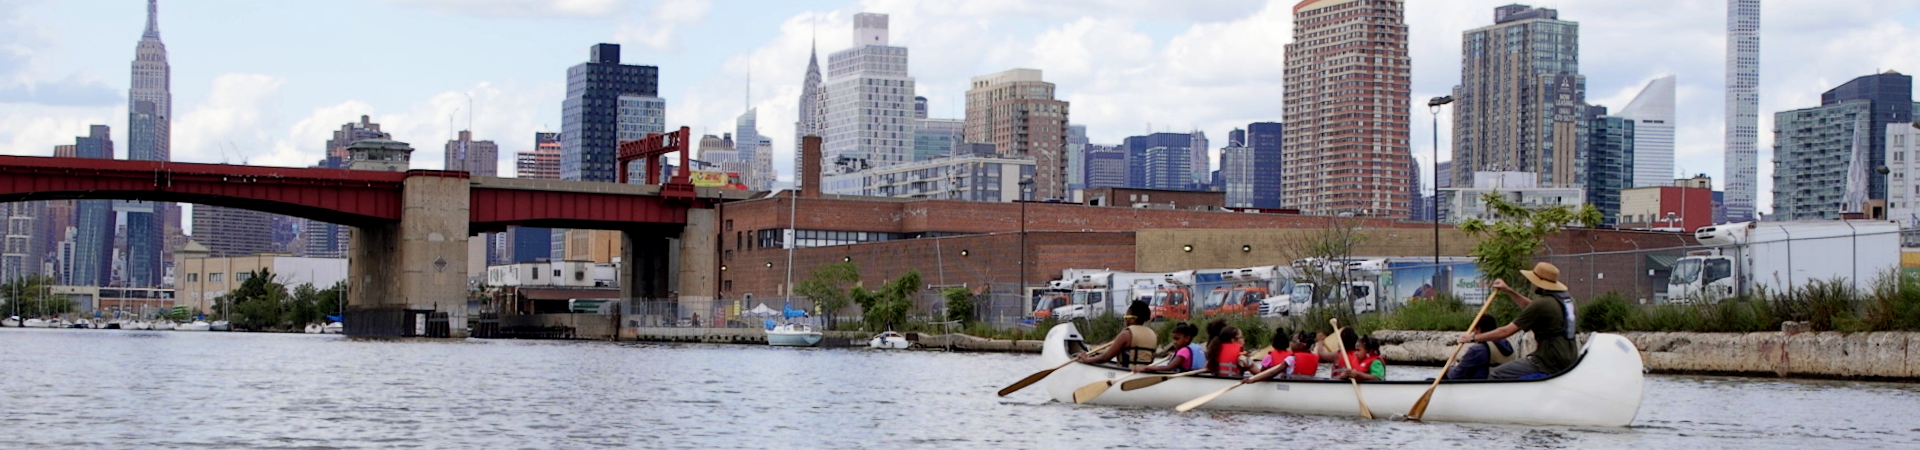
979, 243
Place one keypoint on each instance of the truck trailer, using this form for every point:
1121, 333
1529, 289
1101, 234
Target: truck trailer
1744, 258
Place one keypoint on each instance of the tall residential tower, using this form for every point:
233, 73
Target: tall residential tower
869, 99
1348, 80
589, 118
1016, 112
1519, 98
1743, 110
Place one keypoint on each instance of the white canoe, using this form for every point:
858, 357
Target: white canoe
889, 340
793, 335
197, 325
1603, 390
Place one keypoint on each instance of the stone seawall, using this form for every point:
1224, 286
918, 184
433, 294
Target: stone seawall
1878, 355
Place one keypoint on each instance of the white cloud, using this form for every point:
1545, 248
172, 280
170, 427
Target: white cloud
656, 29
233, 123
519, 9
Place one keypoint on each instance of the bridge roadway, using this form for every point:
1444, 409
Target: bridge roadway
408, 254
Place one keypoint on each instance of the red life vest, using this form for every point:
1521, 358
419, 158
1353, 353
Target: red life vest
1227, 363
1306, 363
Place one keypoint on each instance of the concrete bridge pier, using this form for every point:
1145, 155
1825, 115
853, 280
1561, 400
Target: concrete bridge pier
661, 264
400, 274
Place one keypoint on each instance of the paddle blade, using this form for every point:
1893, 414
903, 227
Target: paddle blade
1419, 407
1087, 393
1144, 382
1153, 380
1195, 403
1028, 381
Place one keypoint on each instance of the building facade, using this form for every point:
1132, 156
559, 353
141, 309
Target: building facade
1016, 111
1743, 110
1521, 188
1350, 152
1159, 161
1673, 208
1266, 140
868, 99
94, 220
935, 138
1610, 145
993, 178
1903, 177
1076, 155
1651, 113
1519, 97
589, 117
21, 253
543, 163
756, 162
1825, 157
479, 158
337, 157
1106, 167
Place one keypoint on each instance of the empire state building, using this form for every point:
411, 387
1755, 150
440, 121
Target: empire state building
149, 131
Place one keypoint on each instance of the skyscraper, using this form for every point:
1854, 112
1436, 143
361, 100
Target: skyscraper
1611, 146
1349, 149
1105, 166
94, 219
1652, 115
1743, 110
543, 163
1236, 170
757, 161
1016, 112
1264, 141
1825, 157
1519, 98
236, 232
812, 117
1159, 161
1076, 155
478, 158
20, 251
149, 131
869, 99
590, 115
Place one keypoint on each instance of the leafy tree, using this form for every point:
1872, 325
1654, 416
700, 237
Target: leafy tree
890, 304
303, 306
1508, 244
831, 286
260, 303
330, 301
29, 297
959, 304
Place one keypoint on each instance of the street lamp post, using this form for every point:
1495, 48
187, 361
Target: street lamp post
1025, 184
1434, 107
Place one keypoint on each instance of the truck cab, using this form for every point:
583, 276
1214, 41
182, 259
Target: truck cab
1702, 277
1082, 303
1239, 300
1172, 303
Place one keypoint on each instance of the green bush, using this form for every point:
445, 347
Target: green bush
1445, 313
959, 304
1608, 312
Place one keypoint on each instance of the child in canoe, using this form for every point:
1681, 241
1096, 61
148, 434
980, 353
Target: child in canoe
1187, 355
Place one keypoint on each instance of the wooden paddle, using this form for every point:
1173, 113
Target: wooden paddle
1141, 383
1037, 376
1195, 403
1341, 348
1420, 407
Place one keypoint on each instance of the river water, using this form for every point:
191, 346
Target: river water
135, 389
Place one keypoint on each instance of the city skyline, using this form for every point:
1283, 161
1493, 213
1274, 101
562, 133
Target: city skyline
268, 106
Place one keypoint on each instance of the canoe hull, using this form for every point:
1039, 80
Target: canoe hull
1603, 390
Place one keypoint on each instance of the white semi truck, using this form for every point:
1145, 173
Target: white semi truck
1745, 257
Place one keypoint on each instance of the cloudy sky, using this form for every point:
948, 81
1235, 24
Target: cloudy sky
265, 82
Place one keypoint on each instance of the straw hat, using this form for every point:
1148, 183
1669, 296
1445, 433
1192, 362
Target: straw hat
1545, 276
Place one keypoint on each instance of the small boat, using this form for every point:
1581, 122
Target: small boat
333, 328
793, 335
82, 324
889, 339
59, 323
163, 325
220, 325
35, 323
1603, 389
314, 328
137, 325
11, 321
197, 325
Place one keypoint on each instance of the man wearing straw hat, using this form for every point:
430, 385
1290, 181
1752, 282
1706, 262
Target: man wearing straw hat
1551, 323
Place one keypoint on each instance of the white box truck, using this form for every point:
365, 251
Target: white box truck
1744, 257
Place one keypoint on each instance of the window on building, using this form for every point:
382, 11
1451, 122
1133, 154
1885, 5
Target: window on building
216, 277
242, 276
193, 278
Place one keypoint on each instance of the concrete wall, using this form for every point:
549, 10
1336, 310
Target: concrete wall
1880, 355
585, 326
